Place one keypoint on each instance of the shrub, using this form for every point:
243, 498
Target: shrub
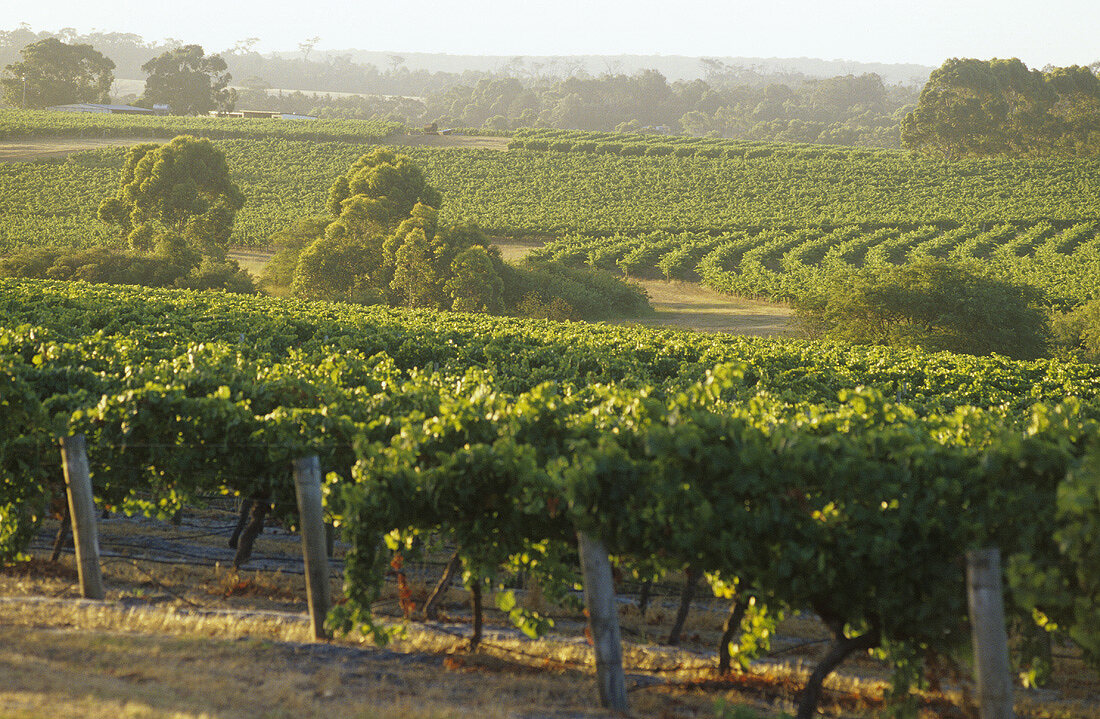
1077, 333
104, 265
936, 305
590, 294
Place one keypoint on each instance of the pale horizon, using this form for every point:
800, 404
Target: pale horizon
1058, 32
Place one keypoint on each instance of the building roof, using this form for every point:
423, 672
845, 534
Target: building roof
99, 107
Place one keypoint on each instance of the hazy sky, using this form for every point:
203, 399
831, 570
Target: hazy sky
1039, 32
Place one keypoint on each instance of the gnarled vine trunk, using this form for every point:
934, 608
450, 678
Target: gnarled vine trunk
842, 647
260, 507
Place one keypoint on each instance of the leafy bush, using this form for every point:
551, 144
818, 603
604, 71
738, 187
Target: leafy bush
105, 265
1077, 333
934, 304
590, 294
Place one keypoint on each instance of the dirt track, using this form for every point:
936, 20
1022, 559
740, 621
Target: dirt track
43, 148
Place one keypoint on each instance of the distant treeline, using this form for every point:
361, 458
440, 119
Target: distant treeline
840, 111
967, 108
736, 102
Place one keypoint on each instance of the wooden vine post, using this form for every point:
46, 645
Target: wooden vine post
78, 487
307, 485
987, 626
603, 620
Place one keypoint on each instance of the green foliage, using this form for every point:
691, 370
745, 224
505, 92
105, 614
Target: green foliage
55, 73
176, 199
336, 269
1060, 586
936, 305
391, 180
290, 242
35, 123
522, 192
979, 108
24, 491
474, 284
553, 291
413, 277
556, 309
792, 264
633, 144
188, 81
121, 267
1078, 537
773, 472
383, 240
1077, 332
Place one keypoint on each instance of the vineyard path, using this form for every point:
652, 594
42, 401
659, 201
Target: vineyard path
45, 148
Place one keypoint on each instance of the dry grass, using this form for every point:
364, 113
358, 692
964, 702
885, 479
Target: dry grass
205, 642
689, 305
252, 261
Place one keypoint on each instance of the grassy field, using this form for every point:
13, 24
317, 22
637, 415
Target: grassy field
689, 305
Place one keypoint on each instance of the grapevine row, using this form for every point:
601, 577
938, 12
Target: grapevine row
1062, 258
523, 192
769, 473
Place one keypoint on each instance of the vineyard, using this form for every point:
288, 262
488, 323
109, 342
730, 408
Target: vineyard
793, 478
817, 472
625, 144
1061, 257
525, 192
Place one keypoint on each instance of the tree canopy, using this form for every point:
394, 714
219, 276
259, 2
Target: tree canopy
391, 183
188, 81
988, 107
174, 198
385, 243
58, 74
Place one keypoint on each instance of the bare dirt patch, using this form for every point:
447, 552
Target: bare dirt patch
47, 148
252, 261
461, 141
688, 305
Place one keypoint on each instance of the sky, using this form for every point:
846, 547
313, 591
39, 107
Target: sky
1056, 32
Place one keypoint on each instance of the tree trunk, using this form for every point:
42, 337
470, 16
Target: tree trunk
729, 631
431, 607
246, 507
260, 508
688, 593
839, 650
475, 601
